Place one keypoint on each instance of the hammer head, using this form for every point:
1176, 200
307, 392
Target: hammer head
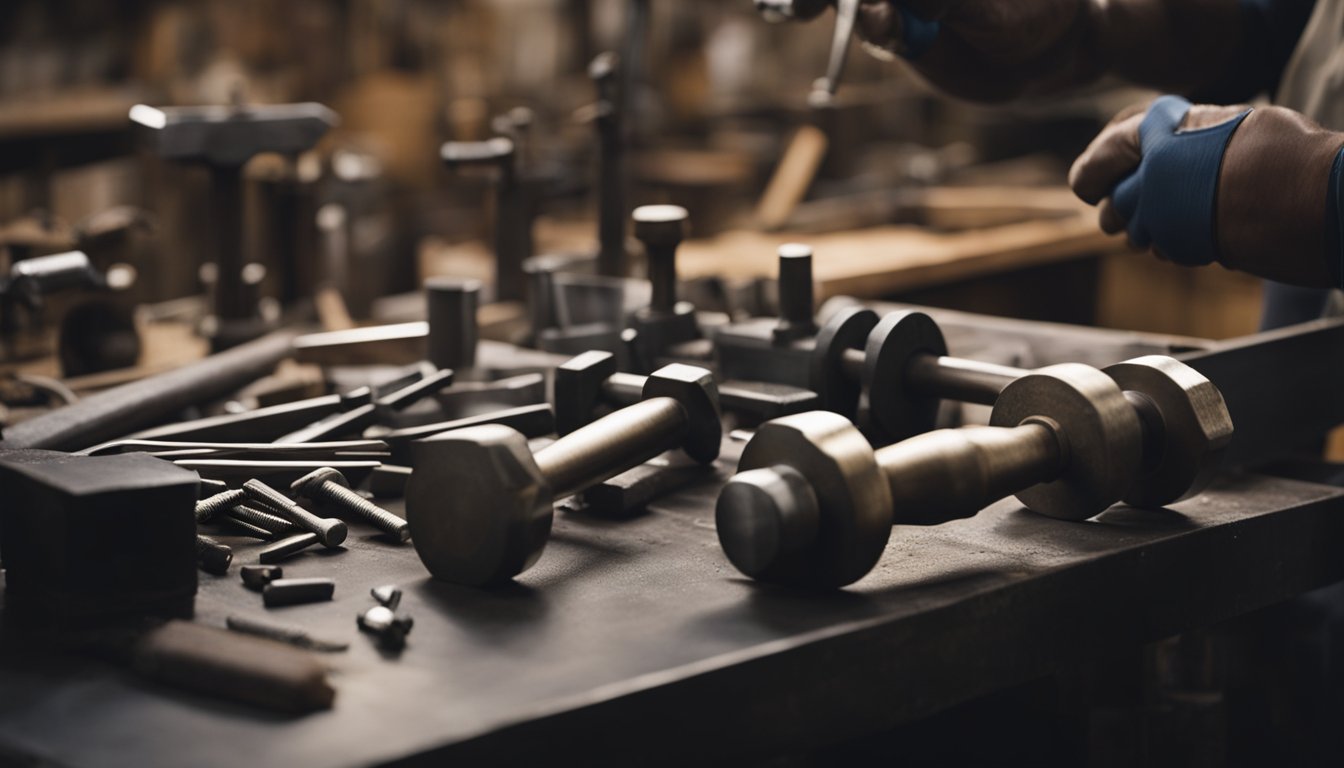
809, 507
1187, 428
478, 505
694, 388
578, 388
316, 478
230, 136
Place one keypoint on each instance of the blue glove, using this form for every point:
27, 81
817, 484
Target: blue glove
1169, 201
917, 34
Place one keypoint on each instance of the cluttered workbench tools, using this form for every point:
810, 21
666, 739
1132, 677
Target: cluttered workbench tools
503, 419
223, 139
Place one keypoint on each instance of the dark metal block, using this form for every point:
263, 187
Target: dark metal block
94, 537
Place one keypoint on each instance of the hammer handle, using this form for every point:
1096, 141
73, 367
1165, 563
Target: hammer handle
612, 444
954, 473
140, 404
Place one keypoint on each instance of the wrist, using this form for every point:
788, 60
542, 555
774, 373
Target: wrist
1278, 170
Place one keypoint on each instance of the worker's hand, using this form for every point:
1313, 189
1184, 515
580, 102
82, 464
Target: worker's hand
988, 50
1249, 188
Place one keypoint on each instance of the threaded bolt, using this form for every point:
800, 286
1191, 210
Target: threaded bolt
209, 507
212, 556
330, 532
328, 486
264, 520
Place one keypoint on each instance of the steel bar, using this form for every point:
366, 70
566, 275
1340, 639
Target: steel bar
130, 407
1284, 388
607, 447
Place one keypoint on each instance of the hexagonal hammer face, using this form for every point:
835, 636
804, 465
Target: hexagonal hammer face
225, 135
578, 388
694, 388
478, 505
1184, 449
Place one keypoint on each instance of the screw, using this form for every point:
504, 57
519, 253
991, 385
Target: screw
208, 508
329, 486
263, 520
212, 556
330, 532
383, 623
249, 530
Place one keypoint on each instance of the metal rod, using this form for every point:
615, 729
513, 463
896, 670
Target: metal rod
122, 410
663, 278
606, 448
513, 232
846, 15
622, 389
796, 313
954, 378
954, 473
611, 209
226, 241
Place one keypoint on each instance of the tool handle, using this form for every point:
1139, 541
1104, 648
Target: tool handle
612, 444
622, 389
130, 407
846, 16
953, 473
954, 378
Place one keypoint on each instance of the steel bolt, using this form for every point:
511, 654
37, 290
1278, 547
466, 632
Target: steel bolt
208, 508
249, 530
262, 519
212, 556
330, 532
328, 486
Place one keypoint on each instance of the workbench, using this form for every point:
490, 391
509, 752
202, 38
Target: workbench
635, 641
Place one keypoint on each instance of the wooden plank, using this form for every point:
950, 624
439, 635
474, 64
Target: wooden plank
884, 260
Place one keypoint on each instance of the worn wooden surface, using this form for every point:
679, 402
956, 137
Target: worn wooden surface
637, 641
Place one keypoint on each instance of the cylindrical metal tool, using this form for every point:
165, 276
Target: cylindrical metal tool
513, 223
610, 172
796, 319
452, 321
953, 473
627, 438
1182, 417
1065, 441
661, 228
122, 410
479, 502
225, 239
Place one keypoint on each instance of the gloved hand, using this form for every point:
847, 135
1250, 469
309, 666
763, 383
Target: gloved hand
1254, 189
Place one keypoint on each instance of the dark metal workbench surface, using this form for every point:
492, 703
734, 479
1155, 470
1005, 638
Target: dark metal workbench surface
637, 641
